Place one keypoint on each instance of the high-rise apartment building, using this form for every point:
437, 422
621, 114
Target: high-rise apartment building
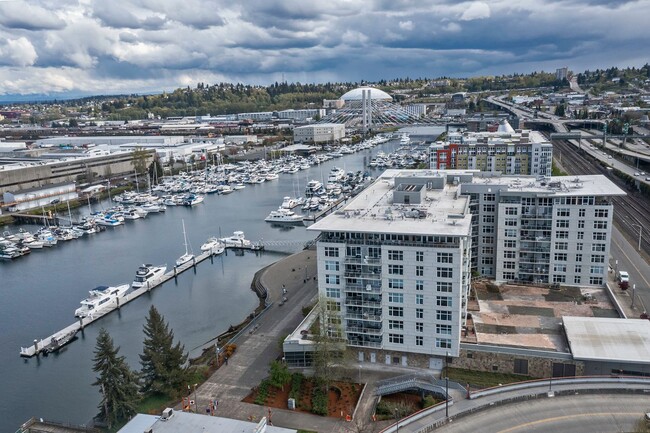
506, 151
394, 264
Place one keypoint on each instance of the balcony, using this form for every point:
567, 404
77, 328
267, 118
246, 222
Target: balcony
363, 275
356, 302
363, 288
360, 343
363, 260
363, 330
364, 316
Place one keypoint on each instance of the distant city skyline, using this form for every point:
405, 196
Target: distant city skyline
74, 48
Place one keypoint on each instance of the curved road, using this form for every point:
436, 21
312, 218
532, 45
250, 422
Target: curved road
567, 414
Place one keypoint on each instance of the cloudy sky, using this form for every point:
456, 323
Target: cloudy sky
73, 47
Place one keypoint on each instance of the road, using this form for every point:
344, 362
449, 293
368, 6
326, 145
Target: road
629, 260
574, 414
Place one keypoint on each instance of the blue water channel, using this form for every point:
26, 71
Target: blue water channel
41, 291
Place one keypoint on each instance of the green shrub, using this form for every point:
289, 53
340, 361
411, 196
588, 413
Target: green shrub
319, 402
262, 393
296, 383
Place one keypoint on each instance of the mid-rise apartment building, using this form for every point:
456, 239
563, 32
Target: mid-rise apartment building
394, 268
394, 264
532, 230
506, 151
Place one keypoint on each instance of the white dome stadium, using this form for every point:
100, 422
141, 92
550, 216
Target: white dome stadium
375, 94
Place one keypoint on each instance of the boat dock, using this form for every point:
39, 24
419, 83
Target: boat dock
312, 217
41, 346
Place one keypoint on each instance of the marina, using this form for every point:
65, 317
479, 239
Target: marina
115, 303
43, 289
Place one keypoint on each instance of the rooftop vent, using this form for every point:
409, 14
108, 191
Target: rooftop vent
167, 413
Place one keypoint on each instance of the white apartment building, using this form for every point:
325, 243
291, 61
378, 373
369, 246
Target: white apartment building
319, 133
394, 264
555, 230
394, 268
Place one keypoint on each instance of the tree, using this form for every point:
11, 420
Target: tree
162, 362
139, 161
117, 383
280, 374
329, 345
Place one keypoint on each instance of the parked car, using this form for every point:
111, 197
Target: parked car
623, 276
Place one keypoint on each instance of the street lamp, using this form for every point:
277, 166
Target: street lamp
397, 420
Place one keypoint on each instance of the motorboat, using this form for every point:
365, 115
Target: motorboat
284, 216
59, 340
148, 275
237, 240
192, 199
290, 202
187, 256
214, 245
313, 186
405, 139
100, 297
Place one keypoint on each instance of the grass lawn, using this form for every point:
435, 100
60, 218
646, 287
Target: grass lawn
481, 379
154, 404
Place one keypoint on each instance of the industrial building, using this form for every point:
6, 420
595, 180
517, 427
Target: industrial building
319, 133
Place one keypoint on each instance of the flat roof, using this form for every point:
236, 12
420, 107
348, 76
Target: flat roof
582, 185
192, 422
373, 210
608, 339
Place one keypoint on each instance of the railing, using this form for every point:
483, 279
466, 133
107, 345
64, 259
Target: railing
362, 288
363, 275
368, 317
362, 261
361, 303
360, 330
391, 242
363, 343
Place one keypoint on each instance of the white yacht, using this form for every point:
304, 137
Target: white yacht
214, 245
404, 139
99, 297
312, 187
290, 202
237, 240
148, 275
187, 256
283, 216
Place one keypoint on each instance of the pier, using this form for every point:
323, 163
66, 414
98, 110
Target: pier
41, 346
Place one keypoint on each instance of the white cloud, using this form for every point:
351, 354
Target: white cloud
452, 27
406, 25
17, 52
476, 11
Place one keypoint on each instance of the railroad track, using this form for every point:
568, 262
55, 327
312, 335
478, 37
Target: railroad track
630, 211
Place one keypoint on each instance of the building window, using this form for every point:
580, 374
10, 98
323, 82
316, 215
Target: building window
419, 271
489, 197
559, 278
396, 311
596, 270
443, 315
419, 340
488, 208
419, 313
419, 327
598, 236
443, 329
331, 252
511, 222
581, 213
601, 213
333, 293
597, 259
333, 306
577, 279
332, 279
395, 255
579, 246
488, 219
581, 235
443, 286
562, 234
559, 267
397, 298
395, 283
443, 301
331, 265
488, 239
487, 250
419, 299
509, 265
396, 324
560, 257
396, 338
600, 225
563, 212
577, 269
510, 233
419, 284
445, 257
511, 211
445, 272
396, 269
581, 224
509, 244
443, 343
561, 245
562, 224
521, 366
419, 256
488, 229
598, 248
596, 280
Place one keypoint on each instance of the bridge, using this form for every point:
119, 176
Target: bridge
421, 382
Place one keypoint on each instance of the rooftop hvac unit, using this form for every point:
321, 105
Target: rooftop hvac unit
167, 413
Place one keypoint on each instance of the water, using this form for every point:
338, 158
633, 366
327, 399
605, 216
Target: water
41, 291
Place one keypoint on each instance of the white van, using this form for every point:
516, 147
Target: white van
623, 276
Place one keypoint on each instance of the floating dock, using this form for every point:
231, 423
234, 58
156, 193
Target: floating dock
40, 346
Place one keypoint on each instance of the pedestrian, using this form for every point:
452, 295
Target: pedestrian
226, 360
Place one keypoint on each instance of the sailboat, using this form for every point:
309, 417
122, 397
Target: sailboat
187, 256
